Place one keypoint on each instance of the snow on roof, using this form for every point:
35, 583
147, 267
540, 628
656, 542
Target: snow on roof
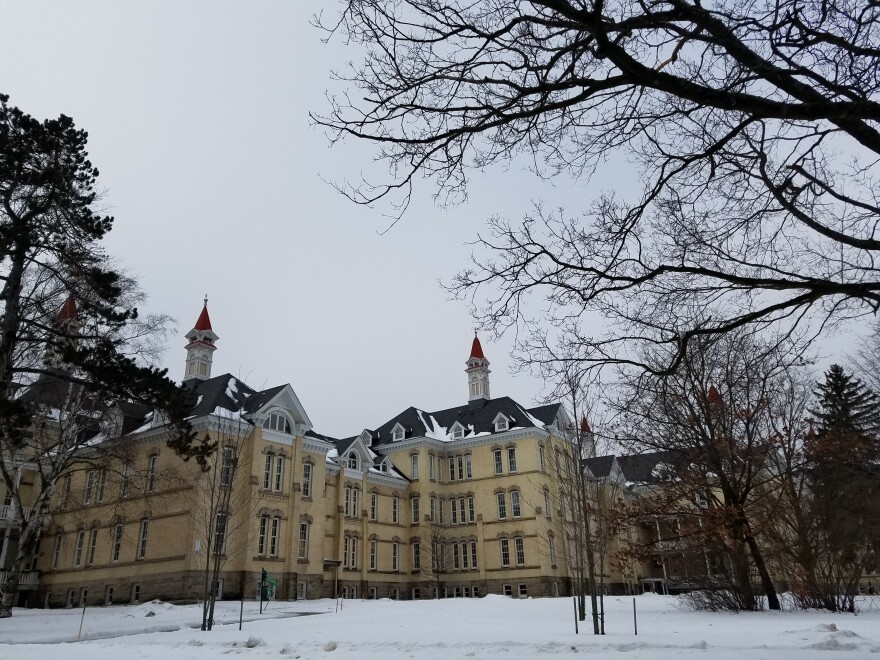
434, 430
532, 419
231, 388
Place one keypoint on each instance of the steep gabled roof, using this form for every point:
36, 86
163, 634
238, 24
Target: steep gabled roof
548, 413
226, 392
599, 466
642, 468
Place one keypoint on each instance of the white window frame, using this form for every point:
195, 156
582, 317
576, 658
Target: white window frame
117, 544
93, 542
416, 556
263, 535
501, 505
150, 481
398, 433
307, 480
279, 474
414, 467
520, 548
498, 461
274, 536
504, 546
511, 460
515, 505
77, 552
303, 545
457, 431
395, 510
501, 423
267, 472
414, 509
395, 556
374, 554
142, 538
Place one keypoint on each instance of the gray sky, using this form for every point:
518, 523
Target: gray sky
197, 114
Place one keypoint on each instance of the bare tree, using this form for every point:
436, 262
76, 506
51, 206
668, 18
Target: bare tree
439, 560
224, 508
753, 128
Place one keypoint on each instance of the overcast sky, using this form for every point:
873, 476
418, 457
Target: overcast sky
197, 114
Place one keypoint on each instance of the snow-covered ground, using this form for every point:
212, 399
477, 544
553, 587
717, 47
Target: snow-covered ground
494, 626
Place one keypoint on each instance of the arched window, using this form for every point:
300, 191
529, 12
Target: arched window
353, 461
277, 422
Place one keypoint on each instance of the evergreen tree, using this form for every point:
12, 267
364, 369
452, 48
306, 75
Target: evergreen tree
848, 419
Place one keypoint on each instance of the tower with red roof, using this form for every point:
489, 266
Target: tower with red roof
477, 372
200, 349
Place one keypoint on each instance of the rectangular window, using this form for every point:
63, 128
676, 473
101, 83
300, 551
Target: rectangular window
117, 544
395, 510
551, 543
65, 490
374, 506
520, 551
267, 472
414, 466
303, 540
432, 460
261, 538
502, 505
374, 551
352, 550
460, 468
90, 485
142, 539
505, 552
347, 507
416, 556
468, 472
273, 537
547, 503
93, 541
151, 474
475, 592
219, 532
464, 555
227, 466
452, 468
102, 481
511, 459
461, 516
395, 557
414, 507
279, 473
507, 589
346, 542
56, 551
355, 503
126, 480
471, 513
523, 590
455, 559
474, 556
499, 466
454, 509
77, 553
307, 480
541, 458
514, 504
433, 509
441, 516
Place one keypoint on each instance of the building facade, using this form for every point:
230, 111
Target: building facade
453, 502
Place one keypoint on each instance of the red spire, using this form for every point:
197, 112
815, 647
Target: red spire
585, 426
204, 322
811, 433
476, 349
713, 396
68, 310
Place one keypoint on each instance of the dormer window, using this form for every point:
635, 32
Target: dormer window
457, 431
353, 461
277, 422
501, 423
398, 433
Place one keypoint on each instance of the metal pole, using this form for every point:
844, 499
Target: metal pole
575, 605
635, 620
241, 612
81, 621
261, 596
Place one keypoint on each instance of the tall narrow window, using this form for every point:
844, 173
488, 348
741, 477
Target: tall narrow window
454, 517
452, 468
262, 536
511, 459
267, 472
303, 540
471, 513
502, 505
93, 541
355, 502
102, 481
374, 506
460, 468
219, 532
505, 552
546, 502
374, 551
551, 543
432, 467
90, 485
117, 543
346, 541
433, 510
499, 466
464, 555
56, 551
541, 458
468, 472
416, 556
461, 516
279, 473
520, 550
395, 510
455, 560
414, 508
395, 556
347, 507
307, 480
77, 552
151, 474
227, 466
414, 466
273, 537
142, 539
441, 514
352, 550
126, 480
514, 503
474, 557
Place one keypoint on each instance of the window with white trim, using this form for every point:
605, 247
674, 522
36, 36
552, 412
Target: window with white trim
501, 424
464, 555
551, 544
90, 484
267, 472
277, 422
541, 458
471, 509
102, 481
432, 467
505, 552
279, 473
227, 466
307, 480
303, 548
414, 508
374, 506
150, 481
433, 511
454, 517
77, 552
117, 544
56, 551
547, 503
515, 509
461, 516
457, 432
474, 557
452, 468
398, 434
374, 552
274, 535
142, 538
511, 459
455, 560
93, 541
352, 552
499, 466
468, 472
219, 532
354, 461
262, 536
523, 590
395, 510
519, 546
416, 556
414, 467
395, 556
502, 505
507, 589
